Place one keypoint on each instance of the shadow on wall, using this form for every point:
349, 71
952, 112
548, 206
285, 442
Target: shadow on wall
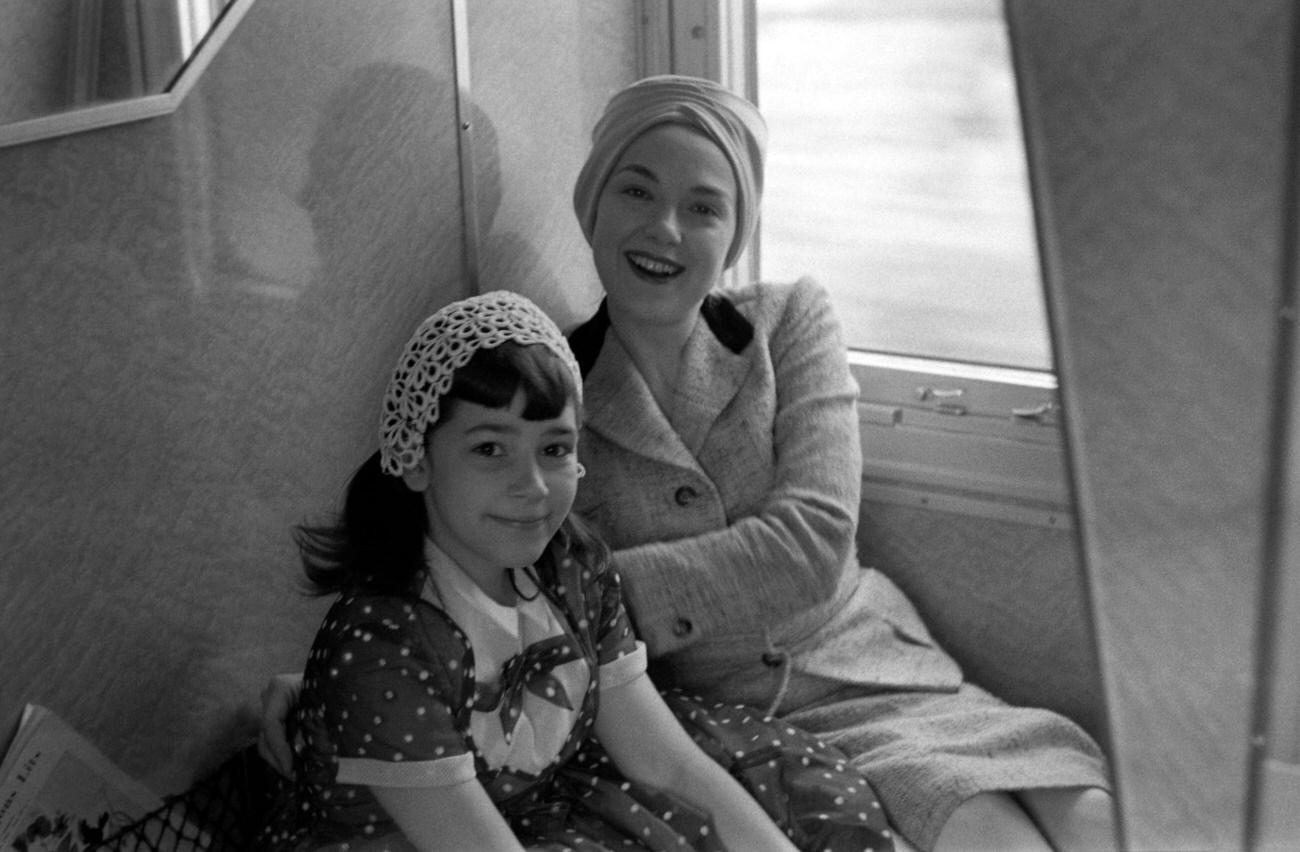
353, 139
178, 394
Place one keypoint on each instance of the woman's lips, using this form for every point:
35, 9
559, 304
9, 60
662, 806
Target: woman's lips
656, 267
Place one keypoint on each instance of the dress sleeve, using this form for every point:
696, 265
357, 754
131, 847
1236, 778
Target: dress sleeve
789, 553
620, 656
390, 684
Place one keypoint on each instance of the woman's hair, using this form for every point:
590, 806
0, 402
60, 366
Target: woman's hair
376, 542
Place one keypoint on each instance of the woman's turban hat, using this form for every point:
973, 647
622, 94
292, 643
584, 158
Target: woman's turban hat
731, 122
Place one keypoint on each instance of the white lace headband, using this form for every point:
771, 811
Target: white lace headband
443, 344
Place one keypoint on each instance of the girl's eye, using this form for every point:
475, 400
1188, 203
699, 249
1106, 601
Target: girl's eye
706, 210
487, 449
559, 451
634, 192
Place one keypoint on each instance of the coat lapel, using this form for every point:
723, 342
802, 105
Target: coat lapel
711, 375
620, 408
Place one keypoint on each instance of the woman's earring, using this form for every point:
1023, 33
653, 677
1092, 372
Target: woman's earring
582, 471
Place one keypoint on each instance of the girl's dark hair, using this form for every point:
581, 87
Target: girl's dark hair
376, 542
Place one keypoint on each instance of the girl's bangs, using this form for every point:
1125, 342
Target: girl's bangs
492, 377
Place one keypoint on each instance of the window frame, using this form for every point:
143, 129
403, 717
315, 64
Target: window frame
964, 438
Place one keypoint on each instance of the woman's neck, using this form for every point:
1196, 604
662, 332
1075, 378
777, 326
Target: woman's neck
656, 350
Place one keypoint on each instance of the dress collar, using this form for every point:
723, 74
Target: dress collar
449, 587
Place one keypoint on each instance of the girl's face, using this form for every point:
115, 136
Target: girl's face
664, 223
496, 486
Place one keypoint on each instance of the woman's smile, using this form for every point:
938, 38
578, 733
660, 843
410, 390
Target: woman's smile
655, 267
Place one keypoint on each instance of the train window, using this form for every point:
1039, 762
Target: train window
897, 175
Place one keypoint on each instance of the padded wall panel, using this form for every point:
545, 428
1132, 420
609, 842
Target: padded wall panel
1158, 130
197, 314
540, 106
1007, 600
35, 47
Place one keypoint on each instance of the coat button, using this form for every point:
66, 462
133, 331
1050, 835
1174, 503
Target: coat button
683, 628
685, 495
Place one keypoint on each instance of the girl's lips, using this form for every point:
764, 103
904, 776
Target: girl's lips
523, 523
656, 267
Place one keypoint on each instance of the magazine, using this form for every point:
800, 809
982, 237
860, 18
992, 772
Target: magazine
59, 792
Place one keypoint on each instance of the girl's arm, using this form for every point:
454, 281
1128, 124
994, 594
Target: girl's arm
649, 746
459, 818
419, 811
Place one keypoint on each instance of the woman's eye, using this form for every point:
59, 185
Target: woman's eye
559, 451
635, 192
487, 449
706, 210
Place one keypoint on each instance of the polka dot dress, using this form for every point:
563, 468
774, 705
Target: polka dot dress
391, 688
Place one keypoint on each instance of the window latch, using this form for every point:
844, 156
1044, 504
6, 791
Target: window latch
1044, 413
943, 399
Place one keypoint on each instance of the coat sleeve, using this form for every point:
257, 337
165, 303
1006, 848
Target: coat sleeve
789, 554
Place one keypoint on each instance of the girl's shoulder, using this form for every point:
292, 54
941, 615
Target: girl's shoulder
578, 576
364, 632
406, 620
567, 570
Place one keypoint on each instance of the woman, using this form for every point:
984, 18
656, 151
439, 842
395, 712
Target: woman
721, 444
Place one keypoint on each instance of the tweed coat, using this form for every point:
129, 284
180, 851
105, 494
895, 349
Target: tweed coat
733, 515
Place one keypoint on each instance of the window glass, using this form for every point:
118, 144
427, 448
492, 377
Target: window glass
897, 176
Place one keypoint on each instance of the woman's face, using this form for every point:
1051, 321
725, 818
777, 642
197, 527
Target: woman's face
664, 222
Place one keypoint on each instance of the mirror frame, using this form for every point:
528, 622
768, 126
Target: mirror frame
80, 119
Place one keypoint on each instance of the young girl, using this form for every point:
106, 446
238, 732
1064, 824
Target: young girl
479, 641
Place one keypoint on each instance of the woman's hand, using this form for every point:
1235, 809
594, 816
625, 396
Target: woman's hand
278, 699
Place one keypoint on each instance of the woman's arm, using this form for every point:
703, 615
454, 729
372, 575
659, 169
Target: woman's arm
459, 818
649, 746
788, 554
278, 699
